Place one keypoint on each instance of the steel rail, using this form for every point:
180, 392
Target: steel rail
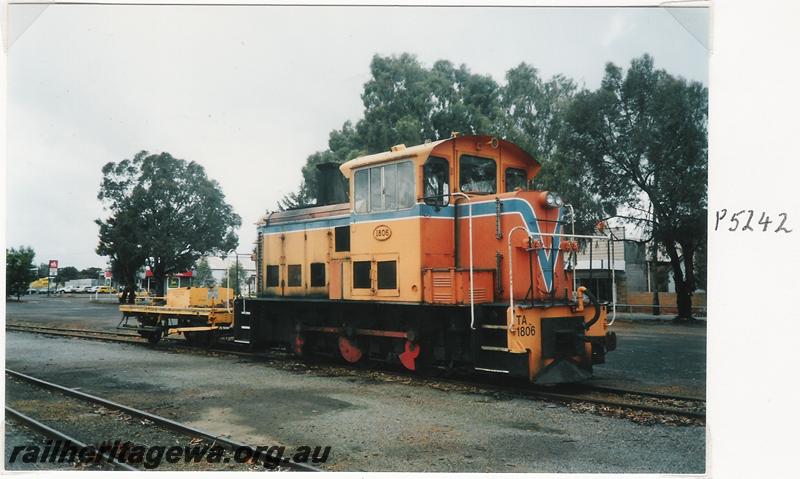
622, 404
68, 330
656, 395
160, 420
79, 333
59, 435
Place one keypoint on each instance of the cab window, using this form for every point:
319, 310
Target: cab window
362, 191
477, 175
437, 181
384, 188
516, 178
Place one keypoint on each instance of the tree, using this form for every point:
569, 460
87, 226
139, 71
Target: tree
90, 273
20, 271
203, 276
404, 102
43, 271
120, 240
234, 271
67, 273
642, 139
534, 117
166, 210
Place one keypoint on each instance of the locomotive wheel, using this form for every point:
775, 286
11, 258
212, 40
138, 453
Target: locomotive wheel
409, 357
297, 345
349, 350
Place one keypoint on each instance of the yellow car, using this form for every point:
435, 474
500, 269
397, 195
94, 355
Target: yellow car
106, 289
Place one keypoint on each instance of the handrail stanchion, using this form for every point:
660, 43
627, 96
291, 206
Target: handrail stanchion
511, 274
471, 284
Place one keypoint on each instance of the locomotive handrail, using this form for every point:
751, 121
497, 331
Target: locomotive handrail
511, 274
572, 223
471, 271
572, 236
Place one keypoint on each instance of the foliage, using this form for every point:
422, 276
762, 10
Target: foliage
90, 273
203, 276
67, 273
118, 241
642, 139
43, 271
20, 271
164, 212
406, 103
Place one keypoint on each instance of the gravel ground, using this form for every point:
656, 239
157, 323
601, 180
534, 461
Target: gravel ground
371, 424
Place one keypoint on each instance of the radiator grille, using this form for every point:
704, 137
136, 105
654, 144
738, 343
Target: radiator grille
479, 295
442, 287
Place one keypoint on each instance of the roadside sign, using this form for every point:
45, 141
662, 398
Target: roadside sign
53, 272
108, 275
53, 264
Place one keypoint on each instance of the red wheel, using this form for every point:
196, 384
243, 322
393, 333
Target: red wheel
409, 357
297, 346
349, 350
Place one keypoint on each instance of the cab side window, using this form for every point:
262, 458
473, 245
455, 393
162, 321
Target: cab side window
477, 175
437, 181
384, 188
362, 191
515, 178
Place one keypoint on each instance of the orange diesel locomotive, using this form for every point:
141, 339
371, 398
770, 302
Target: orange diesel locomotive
441, 257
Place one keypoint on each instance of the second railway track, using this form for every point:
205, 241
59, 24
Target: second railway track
190, 435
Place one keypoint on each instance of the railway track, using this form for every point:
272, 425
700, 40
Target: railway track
150, 418
607, 398
57, 435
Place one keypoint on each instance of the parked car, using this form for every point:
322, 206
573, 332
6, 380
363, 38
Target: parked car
89, 289
106, 289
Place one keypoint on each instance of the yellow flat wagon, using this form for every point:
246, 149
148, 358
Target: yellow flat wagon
199, 314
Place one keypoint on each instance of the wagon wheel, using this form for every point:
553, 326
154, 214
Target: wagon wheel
155, 336
152, 337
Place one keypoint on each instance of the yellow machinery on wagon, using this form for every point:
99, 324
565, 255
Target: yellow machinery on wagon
199, 314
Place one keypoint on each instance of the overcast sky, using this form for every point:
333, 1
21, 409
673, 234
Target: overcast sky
250, 92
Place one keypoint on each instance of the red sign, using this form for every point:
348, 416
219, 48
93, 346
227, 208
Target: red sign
187, 274
108, 274
53, 263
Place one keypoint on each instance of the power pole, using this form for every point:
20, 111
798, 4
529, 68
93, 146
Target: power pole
654, 280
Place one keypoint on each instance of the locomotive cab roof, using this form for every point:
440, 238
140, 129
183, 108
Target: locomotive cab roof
474, 144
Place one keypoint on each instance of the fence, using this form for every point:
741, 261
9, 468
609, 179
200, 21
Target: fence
642, 302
